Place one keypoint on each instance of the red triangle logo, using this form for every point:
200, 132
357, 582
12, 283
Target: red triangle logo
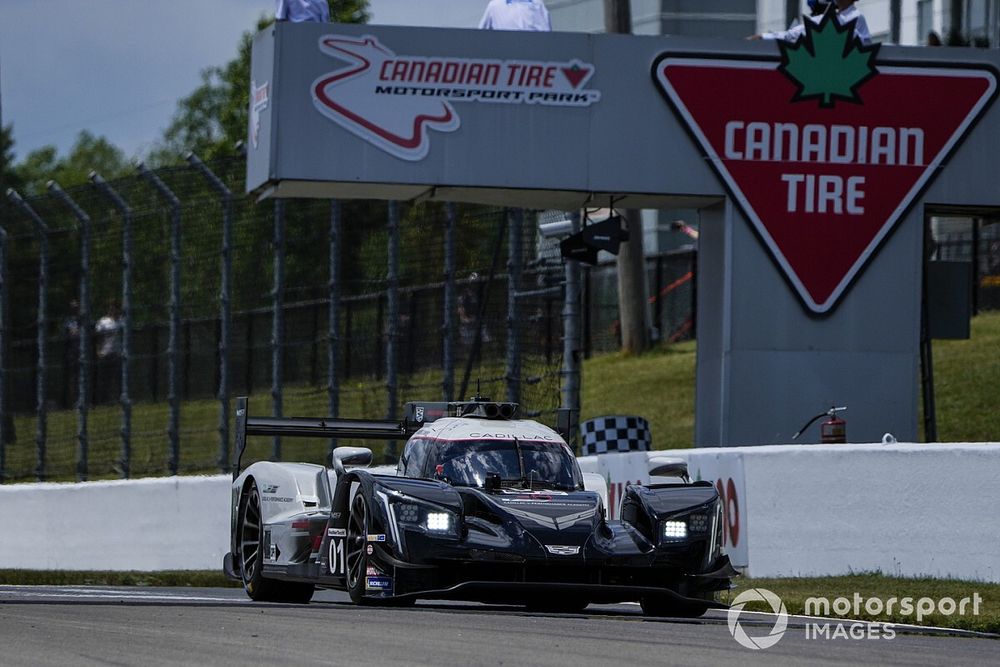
576, 74
824, 185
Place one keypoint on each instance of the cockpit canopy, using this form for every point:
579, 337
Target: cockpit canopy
519, 463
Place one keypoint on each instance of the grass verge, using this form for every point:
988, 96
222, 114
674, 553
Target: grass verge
795, 591
659, 385
173, 578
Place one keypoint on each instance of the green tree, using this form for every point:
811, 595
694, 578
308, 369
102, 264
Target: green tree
9, 178
213, 118
88, 153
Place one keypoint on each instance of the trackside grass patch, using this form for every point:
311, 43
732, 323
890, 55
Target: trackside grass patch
171, 578
863, 592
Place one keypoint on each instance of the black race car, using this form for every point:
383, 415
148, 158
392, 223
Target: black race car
482, 506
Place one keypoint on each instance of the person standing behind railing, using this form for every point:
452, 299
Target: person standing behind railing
516, 15
846, 11
108, 331
300, 11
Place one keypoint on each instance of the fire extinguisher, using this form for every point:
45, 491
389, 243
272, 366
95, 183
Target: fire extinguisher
833, 431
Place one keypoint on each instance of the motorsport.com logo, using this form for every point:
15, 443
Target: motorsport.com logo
761, 637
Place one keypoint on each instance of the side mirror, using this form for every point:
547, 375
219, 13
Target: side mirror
668, 467
354, 457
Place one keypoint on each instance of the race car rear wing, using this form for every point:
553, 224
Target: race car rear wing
313, 427
416, 414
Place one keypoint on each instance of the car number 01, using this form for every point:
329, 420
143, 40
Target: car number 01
337, 565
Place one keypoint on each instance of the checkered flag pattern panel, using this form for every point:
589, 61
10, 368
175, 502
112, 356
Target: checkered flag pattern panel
617, 433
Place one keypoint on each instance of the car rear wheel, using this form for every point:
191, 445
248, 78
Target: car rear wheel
251, 557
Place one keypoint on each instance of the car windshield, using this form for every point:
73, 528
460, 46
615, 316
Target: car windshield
527, 463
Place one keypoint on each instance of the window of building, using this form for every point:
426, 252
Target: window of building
925, 19
978, 11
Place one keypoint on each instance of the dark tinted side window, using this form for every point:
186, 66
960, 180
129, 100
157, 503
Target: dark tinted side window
416, 457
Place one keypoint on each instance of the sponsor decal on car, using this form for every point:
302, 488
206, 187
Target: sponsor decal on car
337, 532
269, 488
338, 563
376, 538
378, 583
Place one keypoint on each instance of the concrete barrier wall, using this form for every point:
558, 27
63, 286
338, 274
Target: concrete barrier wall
811, 510
904, 510
173, 523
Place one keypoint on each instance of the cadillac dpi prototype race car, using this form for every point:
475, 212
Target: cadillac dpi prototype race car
482, 506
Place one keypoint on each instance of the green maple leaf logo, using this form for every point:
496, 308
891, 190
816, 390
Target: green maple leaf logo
828, 63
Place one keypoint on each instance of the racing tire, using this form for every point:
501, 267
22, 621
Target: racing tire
250, 553
356, 556
667, 607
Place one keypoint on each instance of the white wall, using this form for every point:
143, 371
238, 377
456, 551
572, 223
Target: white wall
812, 510
904, 510
801, 510
173, 523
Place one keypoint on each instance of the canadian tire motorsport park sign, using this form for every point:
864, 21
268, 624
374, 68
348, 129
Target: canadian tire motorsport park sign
823, 151
810, 165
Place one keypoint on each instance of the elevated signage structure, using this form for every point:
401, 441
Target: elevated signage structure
812, 166
823, 151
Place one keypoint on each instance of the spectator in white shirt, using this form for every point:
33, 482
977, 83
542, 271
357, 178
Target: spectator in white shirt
516, 15
299, 11
846, 11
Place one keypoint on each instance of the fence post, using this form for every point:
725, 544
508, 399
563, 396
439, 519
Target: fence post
83, 382
4, 413
571, 341
391, 352
125, 463
277, 320
225, 312
448, 327
42, 233
173, 427
333, 323
975, 266
515, 231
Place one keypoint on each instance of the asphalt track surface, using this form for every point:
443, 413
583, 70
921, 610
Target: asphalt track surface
43, 625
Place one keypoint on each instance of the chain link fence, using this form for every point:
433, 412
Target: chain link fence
671, 288
159, 297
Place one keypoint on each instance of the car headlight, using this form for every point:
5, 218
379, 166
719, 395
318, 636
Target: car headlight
415, 515
699, 523
673, 531
439, 521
